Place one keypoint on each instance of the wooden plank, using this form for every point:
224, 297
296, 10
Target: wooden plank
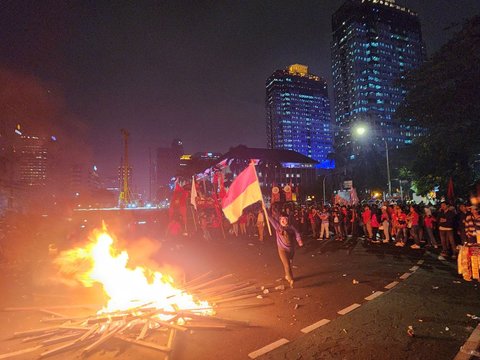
169, 325
104, 338
197, 279
235, 298
60, 339
144, 330
143, 343
19, 352
200, 286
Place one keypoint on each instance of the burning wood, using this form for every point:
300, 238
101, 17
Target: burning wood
143, 308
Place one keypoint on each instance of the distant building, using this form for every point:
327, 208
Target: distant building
168, 160
374, 43
298, 114
274, 166
32, 161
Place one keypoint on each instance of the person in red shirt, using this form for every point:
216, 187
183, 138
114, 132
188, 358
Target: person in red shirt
413, 219
400, 221
367, 222
429, 222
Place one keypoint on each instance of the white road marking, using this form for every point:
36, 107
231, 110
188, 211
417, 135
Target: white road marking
315, 326
469, 348
391, 285
374, 295
405, 276
348, 309
268, 348
414, 268
420, 262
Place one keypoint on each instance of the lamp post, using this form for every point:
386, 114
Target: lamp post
361, 130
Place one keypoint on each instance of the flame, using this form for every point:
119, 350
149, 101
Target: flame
126, 288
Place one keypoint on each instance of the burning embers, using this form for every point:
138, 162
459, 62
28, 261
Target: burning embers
144, 307
126, 288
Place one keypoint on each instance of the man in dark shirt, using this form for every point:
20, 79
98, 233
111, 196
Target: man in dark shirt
446, 220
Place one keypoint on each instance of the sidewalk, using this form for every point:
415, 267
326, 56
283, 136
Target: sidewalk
434, 300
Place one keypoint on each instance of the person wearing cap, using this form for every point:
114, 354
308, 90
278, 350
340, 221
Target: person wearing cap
286, 236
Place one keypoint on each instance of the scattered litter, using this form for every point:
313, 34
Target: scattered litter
279, 279
344, 330
435, 287
250, 244
313, 255
296, 307
295, 266
266, 291
473, 317
457, 282
259, 297
306, 295
344, 275
420, 320
280, 287
291, 324
410, 331
355, 282
262, 288
296, 298
447, 328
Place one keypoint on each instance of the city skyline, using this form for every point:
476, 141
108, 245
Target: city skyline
137, 66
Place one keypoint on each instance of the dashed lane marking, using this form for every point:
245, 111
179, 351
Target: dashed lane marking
405, 276
469, 348
374, 295
420, 262
348, 309
391, 285
312, 327
268, 348
414, 268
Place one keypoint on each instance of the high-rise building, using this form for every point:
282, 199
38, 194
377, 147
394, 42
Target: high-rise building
298, 113
375, 42
32, 157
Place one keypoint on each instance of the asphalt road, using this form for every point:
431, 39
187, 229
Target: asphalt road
330, 276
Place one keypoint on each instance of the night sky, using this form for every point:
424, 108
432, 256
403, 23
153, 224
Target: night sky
189, 69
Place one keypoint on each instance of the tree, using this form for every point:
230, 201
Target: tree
443, 99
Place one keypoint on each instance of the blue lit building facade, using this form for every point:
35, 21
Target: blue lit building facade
374, 43
298, 114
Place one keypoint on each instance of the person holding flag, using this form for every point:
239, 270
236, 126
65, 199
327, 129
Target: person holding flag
286, 235
245, 191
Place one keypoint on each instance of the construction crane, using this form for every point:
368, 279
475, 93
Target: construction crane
125, 196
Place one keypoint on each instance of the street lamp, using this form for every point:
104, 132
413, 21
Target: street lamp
361, 130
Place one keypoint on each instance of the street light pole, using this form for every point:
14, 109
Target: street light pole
388, 170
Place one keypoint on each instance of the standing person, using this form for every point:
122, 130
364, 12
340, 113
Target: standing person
260, 224
367, 222
461, 217
324, 216
286, 236
344, 221
400, 221
375, 222
446, 219
337, 219
414, 218
243, 224
429, 223
385, 220
472, 226
313, 221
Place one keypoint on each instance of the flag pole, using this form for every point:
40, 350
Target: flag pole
263, 203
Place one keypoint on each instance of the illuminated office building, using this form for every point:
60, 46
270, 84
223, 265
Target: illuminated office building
298, 114
375, 42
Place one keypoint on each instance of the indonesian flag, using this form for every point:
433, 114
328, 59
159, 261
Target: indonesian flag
193, 194
244, 191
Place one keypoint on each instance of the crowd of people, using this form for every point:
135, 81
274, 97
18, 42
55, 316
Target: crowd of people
418, 226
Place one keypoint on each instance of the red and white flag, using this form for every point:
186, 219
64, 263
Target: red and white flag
244, 191
193, 194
